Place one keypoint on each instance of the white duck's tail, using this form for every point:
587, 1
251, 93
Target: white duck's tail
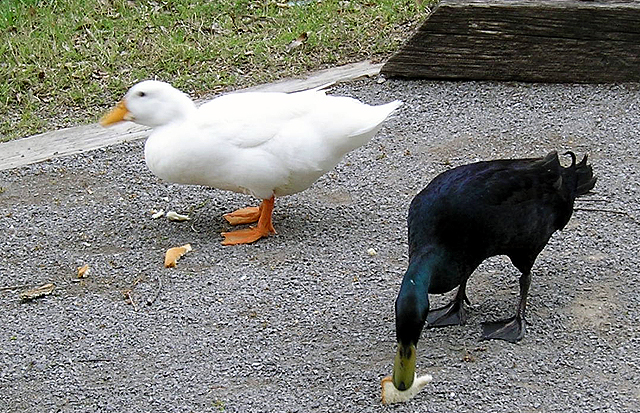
355, 123
389, 108
374, 117
341, 124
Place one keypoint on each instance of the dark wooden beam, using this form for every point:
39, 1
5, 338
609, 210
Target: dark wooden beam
536, 41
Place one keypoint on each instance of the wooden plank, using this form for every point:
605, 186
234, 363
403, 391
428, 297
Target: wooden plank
84, 138
525, 40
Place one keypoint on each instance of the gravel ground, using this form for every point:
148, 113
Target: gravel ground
303, 321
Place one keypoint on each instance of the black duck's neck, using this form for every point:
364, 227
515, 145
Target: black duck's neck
412, 304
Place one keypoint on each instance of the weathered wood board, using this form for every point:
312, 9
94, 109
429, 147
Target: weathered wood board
524, 40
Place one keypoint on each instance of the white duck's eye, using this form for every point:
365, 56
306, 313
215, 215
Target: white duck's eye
141, 94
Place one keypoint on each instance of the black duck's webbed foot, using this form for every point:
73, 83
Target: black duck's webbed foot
452, 314
511, 329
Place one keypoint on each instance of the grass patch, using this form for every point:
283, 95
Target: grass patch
65, 62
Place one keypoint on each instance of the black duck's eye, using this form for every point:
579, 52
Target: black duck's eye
141, 94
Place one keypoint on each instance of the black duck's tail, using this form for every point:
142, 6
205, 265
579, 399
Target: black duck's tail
585, 181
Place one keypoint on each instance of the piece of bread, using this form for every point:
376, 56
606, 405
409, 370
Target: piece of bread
174, 216
392, 395
83, 271
172, 255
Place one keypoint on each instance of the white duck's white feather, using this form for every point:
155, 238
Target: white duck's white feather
262, 144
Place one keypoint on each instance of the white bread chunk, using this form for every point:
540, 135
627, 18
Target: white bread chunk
392, 395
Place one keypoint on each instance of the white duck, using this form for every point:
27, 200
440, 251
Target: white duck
257, 143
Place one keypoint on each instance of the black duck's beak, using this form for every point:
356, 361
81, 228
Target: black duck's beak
404, 366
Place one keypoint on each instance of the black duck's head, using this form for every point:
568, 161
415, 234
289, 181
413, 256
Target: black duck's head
412, 306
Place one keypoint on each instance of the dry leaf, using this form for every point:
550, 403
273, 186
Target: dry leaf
298, 42
37, 292
83, 271
173, 254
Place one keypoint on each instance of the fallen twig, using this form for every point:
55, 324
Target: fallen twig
580, 200
14, 287
612, 211
127, 293
128, 297
37, 292
608, 211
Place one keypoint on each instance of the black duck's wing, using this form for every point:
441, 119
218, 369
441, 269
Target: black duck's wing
486, 205
515, 182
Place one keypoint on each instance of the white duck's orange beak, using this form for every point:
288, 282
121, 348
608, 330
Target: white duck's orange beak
117, 114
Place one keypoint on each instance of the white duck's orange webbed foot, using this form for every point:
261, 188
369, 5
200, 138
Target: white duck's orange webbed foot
247, 215
243, 236
249, 235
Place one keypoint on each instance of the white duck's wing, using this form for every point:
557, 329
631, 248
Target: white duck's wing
341, 124
250, 119
254, 118
314, 142
266, 143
